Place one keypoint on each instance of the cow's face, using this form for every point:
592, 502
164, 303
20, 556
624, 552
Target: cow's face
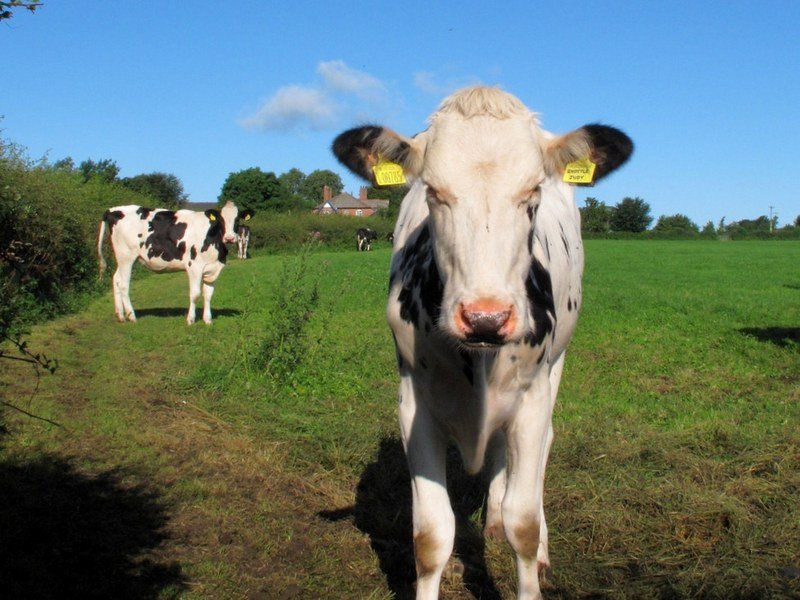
230, 215
483, 162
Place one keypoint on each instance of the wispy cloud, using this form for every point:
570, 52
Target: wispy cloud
293, 106
342, 92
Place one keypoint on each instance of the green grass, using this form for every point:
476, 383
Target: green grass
674, 473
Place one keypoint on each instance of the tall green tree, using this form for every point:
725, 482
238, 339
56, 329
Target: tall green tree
311, 188
105, 170
292, 181
595, 216
252, 188
632, 215
165, 188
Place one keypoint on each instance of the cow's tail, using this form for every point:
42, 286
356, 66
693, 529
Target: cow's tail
101, 261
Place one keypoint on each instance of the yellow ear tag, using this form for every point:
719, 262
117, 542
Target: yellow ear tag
388, 173
247, 218
211, 217
579, 171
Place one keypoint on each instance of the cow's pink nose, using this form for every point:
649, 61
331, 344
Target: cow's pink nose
229, 239
485, 320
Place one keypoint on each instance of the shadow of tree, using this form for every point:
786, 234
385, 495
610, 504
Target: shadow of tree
66, 534
383, 512
181, 312
785, 337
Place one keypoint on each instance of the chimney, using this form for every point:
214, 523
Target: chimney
326, 193
362, 193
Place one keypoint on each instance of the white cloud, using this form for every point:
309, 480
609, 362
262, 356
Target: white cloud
341, 78
340, 93
292, 106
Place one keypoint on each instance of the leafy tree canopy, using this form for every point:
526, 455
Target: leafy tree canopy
595, 216
676, 224
105, 170
632, 214
311, 187
165, 188
252, 188
6, 7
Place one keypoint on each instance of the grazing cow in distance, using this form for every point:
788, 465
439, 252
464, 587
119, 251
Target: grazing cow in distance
390, 238
242, 240
484, 292
165, 240
364, 239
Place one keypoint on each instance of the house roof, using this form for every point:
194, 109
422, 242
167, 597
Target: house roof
347, 201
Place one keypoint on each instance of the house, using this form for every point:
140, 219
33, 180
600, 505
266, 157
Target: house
345, 204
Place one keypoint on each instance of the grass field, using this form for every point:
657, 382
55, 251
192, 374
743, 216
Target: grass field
259, 458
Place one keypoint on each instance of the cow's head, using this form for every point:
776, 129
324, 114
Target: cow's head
485, 165
230, 215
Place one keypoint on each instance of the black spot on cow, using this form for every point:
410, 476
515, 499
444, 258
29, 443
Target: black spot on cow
409, 308
214, 234
143, 212
539, 289
569, 304
423, 363
112, 217
139, 235
165, 240
193, 252
422, 276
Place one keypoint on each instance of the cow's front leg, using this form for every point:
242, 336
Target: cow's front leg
433, 518
195, 281
208, 291
496, 468
527, 438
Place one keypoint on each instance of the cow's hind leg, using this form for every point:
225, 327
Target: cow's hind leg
433, 518
122, 284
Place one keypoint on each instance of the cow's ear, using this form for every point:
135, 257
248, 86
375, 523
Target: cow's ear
361, 148
247, 214
213, 215
607, 147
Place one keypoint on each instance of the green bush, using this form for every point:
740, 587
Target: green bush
48, 237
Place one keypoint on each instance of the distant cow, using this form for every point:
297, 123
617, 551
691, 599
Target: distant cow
242, 240
364, 239
484, 292
164, 240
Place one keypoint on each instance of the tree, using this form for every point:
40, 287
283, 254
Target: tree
797, 221
709, 232
393, 193
632, 214
595, 216
5, 7
678, 225
105, 170
165, 188
252, 188
311, 188
292, 181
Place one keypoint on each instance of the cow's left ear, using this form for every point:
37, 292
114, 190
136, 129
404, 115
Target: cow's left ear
607, 147
213, 215
247, 214
361, 148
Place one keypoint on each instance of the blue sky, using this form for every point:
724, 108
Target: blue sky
709, 91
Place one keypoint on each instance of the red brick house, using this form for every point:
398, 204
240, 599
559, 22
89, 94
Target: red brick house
345, 204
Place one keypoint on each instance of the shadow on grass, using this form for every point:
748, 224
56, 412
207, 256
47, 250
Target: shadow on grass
785, 337
383, 512
181, 312
66, 534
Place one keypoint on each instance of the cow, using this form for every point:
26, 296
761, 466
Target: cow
364, 239
484, 293
242, 240
165, 240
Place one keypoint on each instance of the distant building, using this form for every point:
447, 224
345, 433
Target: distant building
345, 204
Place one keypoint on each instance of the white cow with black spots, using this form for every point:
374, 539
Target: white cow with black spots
165, 240
485, 287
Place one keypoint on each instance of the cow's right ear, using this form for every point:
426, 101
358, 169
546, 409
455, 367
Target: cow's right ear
246, 214
361, 148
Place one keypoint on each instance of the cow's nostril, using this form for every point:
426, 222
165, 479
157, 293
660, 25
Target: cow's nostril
483, 323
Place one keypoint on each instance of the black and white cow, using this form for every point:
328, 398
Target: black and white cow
242, 239
485, 288
364, 239
164, 240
